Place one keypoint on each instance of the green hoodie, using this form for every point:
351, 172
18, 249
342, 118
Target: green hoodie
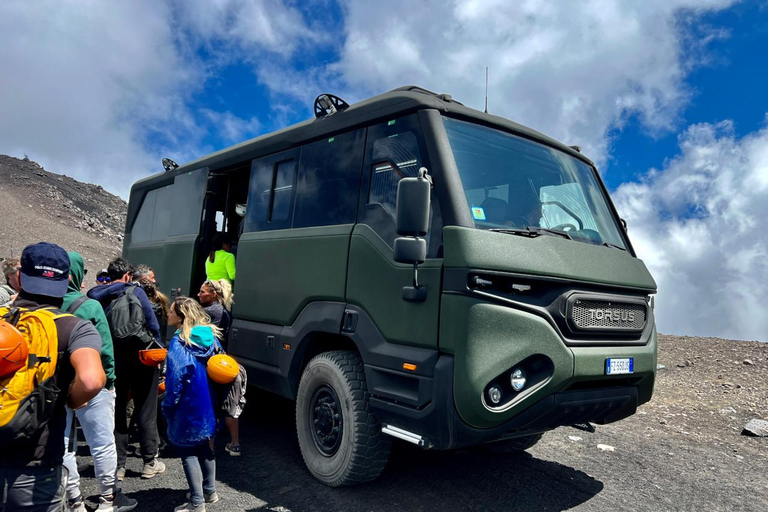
92, 311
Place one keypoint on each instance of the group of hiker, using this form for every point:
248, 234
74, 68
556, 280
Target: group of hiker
99, 358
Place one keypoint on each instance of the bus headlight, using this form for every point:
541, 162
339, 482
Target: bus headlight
517, 379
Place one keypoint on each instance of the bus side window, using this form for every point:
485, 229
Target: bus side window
328, 184
271, 192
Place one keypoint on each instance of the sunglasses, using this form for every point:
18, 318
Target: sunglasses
103, 279
213, 285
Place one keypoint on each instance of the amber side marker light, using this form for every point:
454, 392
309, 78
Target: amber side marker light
286, 346
409, 366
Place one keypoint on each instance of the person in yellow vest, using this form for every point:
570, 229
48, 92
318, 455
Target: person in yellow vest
220, 263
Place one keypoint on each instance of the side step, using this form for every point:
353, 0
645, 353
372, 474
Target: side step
404, 435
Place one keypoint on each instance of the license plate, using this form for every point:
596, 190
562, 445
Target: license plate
619, 366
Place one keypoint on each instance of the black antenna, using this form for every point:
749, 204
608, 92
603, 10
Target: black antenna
486, 89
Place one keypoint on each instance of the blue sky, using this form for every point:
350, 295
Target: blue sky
731, 86
668, 97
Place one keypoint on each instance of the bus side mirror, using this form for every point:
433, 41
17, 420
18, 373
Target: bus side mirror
412, 223
413, 205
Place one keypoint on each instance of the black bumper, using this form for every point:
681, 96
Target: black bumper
438, 422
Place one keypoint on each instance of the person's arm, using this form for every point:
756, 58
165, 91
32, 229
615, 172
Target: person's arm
89, 376
149, 313
107, 346
230, 263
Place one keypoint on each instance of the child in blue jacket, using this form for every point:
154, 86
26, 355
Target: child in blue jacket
188, 404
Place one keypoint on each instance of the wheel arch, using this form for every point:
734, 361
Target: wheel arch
313, 344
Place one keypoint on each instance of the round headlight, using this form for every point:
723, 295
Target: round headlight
517, 379
494, 394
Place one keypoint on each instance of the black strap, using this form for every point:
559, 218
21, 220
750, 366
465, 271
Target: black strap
76, 304
73, 434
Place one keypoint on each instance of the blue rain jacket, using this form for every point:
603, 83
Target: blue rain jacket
188, 403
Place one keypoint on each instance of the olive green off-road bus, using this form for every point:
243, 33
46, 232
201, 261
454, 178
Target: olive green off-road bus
412, 268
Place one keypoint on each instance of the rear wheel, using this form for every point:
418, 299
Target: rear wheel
517, 444
339, 436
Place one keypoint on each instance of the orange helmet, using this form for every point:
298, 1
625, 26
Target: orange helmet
223, 368
13, 349
152, 356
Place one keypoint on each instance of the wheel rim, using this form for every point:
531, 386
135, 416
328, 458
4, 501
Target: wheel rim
326, 420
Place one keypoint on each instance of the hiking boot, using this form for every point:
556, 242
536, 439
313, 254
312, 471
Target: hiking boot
118, 503
233, 449
120, 474
152, 468
76, 505
188, 507
209, 498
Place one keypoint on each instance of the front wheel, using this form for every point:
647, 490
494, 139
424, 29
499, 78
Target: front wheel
339, 436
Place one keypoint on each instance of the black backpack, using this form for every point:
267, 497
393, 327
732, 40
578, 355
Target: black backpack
126, 319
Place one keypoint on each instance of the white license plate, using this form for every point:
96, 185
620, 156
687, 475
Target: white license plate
619, 366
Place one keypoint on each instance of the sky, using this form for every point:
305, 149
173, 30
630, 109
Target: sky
667, 97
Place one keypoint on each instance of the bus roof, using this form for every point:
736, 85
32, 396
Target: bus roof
397, 102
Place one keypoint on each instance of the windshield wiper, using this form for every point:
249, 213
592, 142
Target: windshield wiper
614, 246
533, 232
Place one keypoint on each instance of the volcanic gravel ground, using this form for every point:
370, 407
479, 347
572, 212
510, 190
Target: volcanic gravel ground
682, 451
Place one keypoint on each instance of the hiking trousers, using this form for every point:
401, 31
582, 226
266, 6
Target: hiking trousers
137, 381
38, 489
97, 420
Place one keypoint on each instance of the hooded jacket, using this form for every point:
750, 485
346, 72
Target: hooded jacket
106, 294
188, 403
91, 311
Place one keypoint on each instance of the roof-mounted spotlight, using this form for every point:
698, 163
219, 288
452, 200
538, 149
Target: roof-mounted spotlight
328, 104
576, 148
169, 165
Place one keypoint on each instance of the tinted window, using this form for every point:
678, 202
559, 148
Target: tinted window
258, 195
163, 210
270, 194
142, 226
285, 174
328, 183
184, 204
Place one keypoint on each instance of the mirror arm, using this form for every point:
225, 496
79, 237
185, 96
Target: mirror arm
415, 293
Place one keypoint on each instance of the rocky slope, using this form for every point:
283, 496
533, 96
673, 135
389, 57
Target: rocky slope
36, 205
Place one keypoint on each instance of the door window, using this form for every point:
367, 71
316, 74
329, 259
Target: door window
395, 150
270, 194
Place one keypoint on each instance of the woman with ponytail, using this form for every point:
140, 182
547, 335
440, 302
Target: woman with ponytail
188, 405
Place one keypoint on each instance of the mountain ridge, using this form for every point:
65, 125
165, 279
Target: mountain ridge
39, 205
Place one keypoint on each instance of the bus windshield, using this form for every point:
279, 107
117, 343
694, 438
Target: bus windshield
514, 185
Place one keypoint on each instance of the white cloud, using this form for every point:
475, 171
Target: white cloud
232, 129
573, 73
102, 90
699, 226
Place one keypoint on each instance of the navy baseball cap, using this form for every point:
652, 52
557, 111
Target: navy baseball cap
45, 270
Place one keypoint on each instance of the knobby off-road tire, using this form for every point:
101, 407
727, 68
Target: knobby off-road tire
333, 395
515, 445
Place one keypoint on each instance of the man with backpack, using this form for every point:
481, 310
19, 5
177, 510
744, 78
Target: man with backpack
97, 418
133, 327
61, 366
